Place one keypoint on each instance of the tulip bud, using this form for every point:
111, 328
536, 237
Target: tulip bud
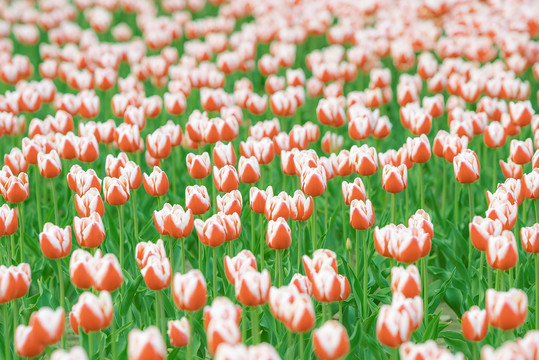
466, 167
189, 290
55, 242
197, 199
146, 344
89, 231
502, 253
474, 324
116, 190
252, 287
406, 281
506, 310
179, 332
394, 179
278, 234
47, 325
361, 214
330, 341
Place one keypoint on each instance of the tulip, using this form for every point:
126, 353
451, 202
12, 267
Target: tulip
511, 170
249, 170
294, 309
235, 265
528, 237
81, 181
108, 276
301, 206
80, 270
156, 184
466, 167
15, 161
531, 184
156, 271
394, 178
189, 290
353, 191
116, 190
278, 206
179, 332
49, 164
252, 287
55, 242
225, 179
494, 135
89, 231
361, 214
521, 152
89, 203
114, 165
406, 281
221, 309
158, 144
222, 332
230, 203
197, 199
87, 149
502, 253
178, 223
474, 324
26, 344
22, 279
8, 283
481, 229
262, 351
146, 344
91, 312
131, 172
328, 286
392, 326
198, 166
330, 341
47, 325
224, 155
258, 198
506, 310
211, 232
9, 219
313, 181
76, 353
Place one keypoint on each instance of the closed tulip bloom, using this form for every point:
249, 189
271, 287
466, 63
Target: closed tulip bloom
222, 309
475, 324
114, 165
521, 113
230, 203
494, 135
16, 188
26, 344
394, 178
249, 170
262, 351
502, 253
288, 165
361, 214
91, 312
223, 154
108, 275
392, 326
528, 237
530, 184
87, 149
55, 242
330, 341
252, 287
131, 172
481, 229
278, 234
76, 353
225, 179
364, 160
406, 281
89, 203
7, 285
80, 269
421, 220
302, 284
278, 206
158, 144
81, 181
506, 310
47, 325
189, 290
503, 211
322, 258
258, 198
328, 286
89, 231
353, 191
198, 166
116, 190
294, 309
419, 149
179, 223
510, 170
222, 332
404, 246
521, 152
211, 232
49, 164
159, 218
412, 306
22, 276
313, 181
156, 184
179, 332
235, 265
301, 206
146, 344
466, 167
15, 161
154, 265
9, 218
197, 199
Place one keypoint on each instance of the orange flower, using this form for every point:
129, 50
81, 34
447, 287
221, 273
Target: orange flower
116, 190
81, 181
392, 326
198, 166
521, 152
47, 325
55, 242
225, 179
301, 206
179, 332
361, 214
494, 135
197, 199
475, 324
481, 229
8, 288
89, 231
235, 265
293, 308
530, 184
89, 203
278, 234
419, 149
22, 277
211, 232
49, 164
406, 281
277, 206
15, 161
328, 286
8, 220
223, 154
257, 199
364, 160
158, 144
26, 345
506, 310
230, 203
330, 341
466, 167
131, 172
154, 264
219, 333
87, 149
114, 165
249, 170
313, 181
179, 223
91, 312
252, 287
394, 178
502, 251
528, 237
221, 309
156, 184
510, 170
189, 290
146, 344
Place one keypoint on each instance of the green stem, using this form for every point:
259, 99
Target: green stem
113, 338
121, 236
12, 248
157, 311
9, 252
134, 207
301, 347
313, 229
326, 199
494, 169
365, 278
537, 291
424, 279
91, 344
38, 197
395, 352
7, 337
54, 201
536, 210
279, 268
254, 324
444, 181
481, 265
290, 346
406, 201
470, 254
261, 245
183, 255
61, 284
393, 207
190, 343
214, 271
21, 230
300, 240
344, 220
421, 192
253, 231
456, 205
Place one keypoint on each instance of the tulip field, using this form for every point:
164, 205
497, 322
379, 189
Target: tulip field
269, 179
